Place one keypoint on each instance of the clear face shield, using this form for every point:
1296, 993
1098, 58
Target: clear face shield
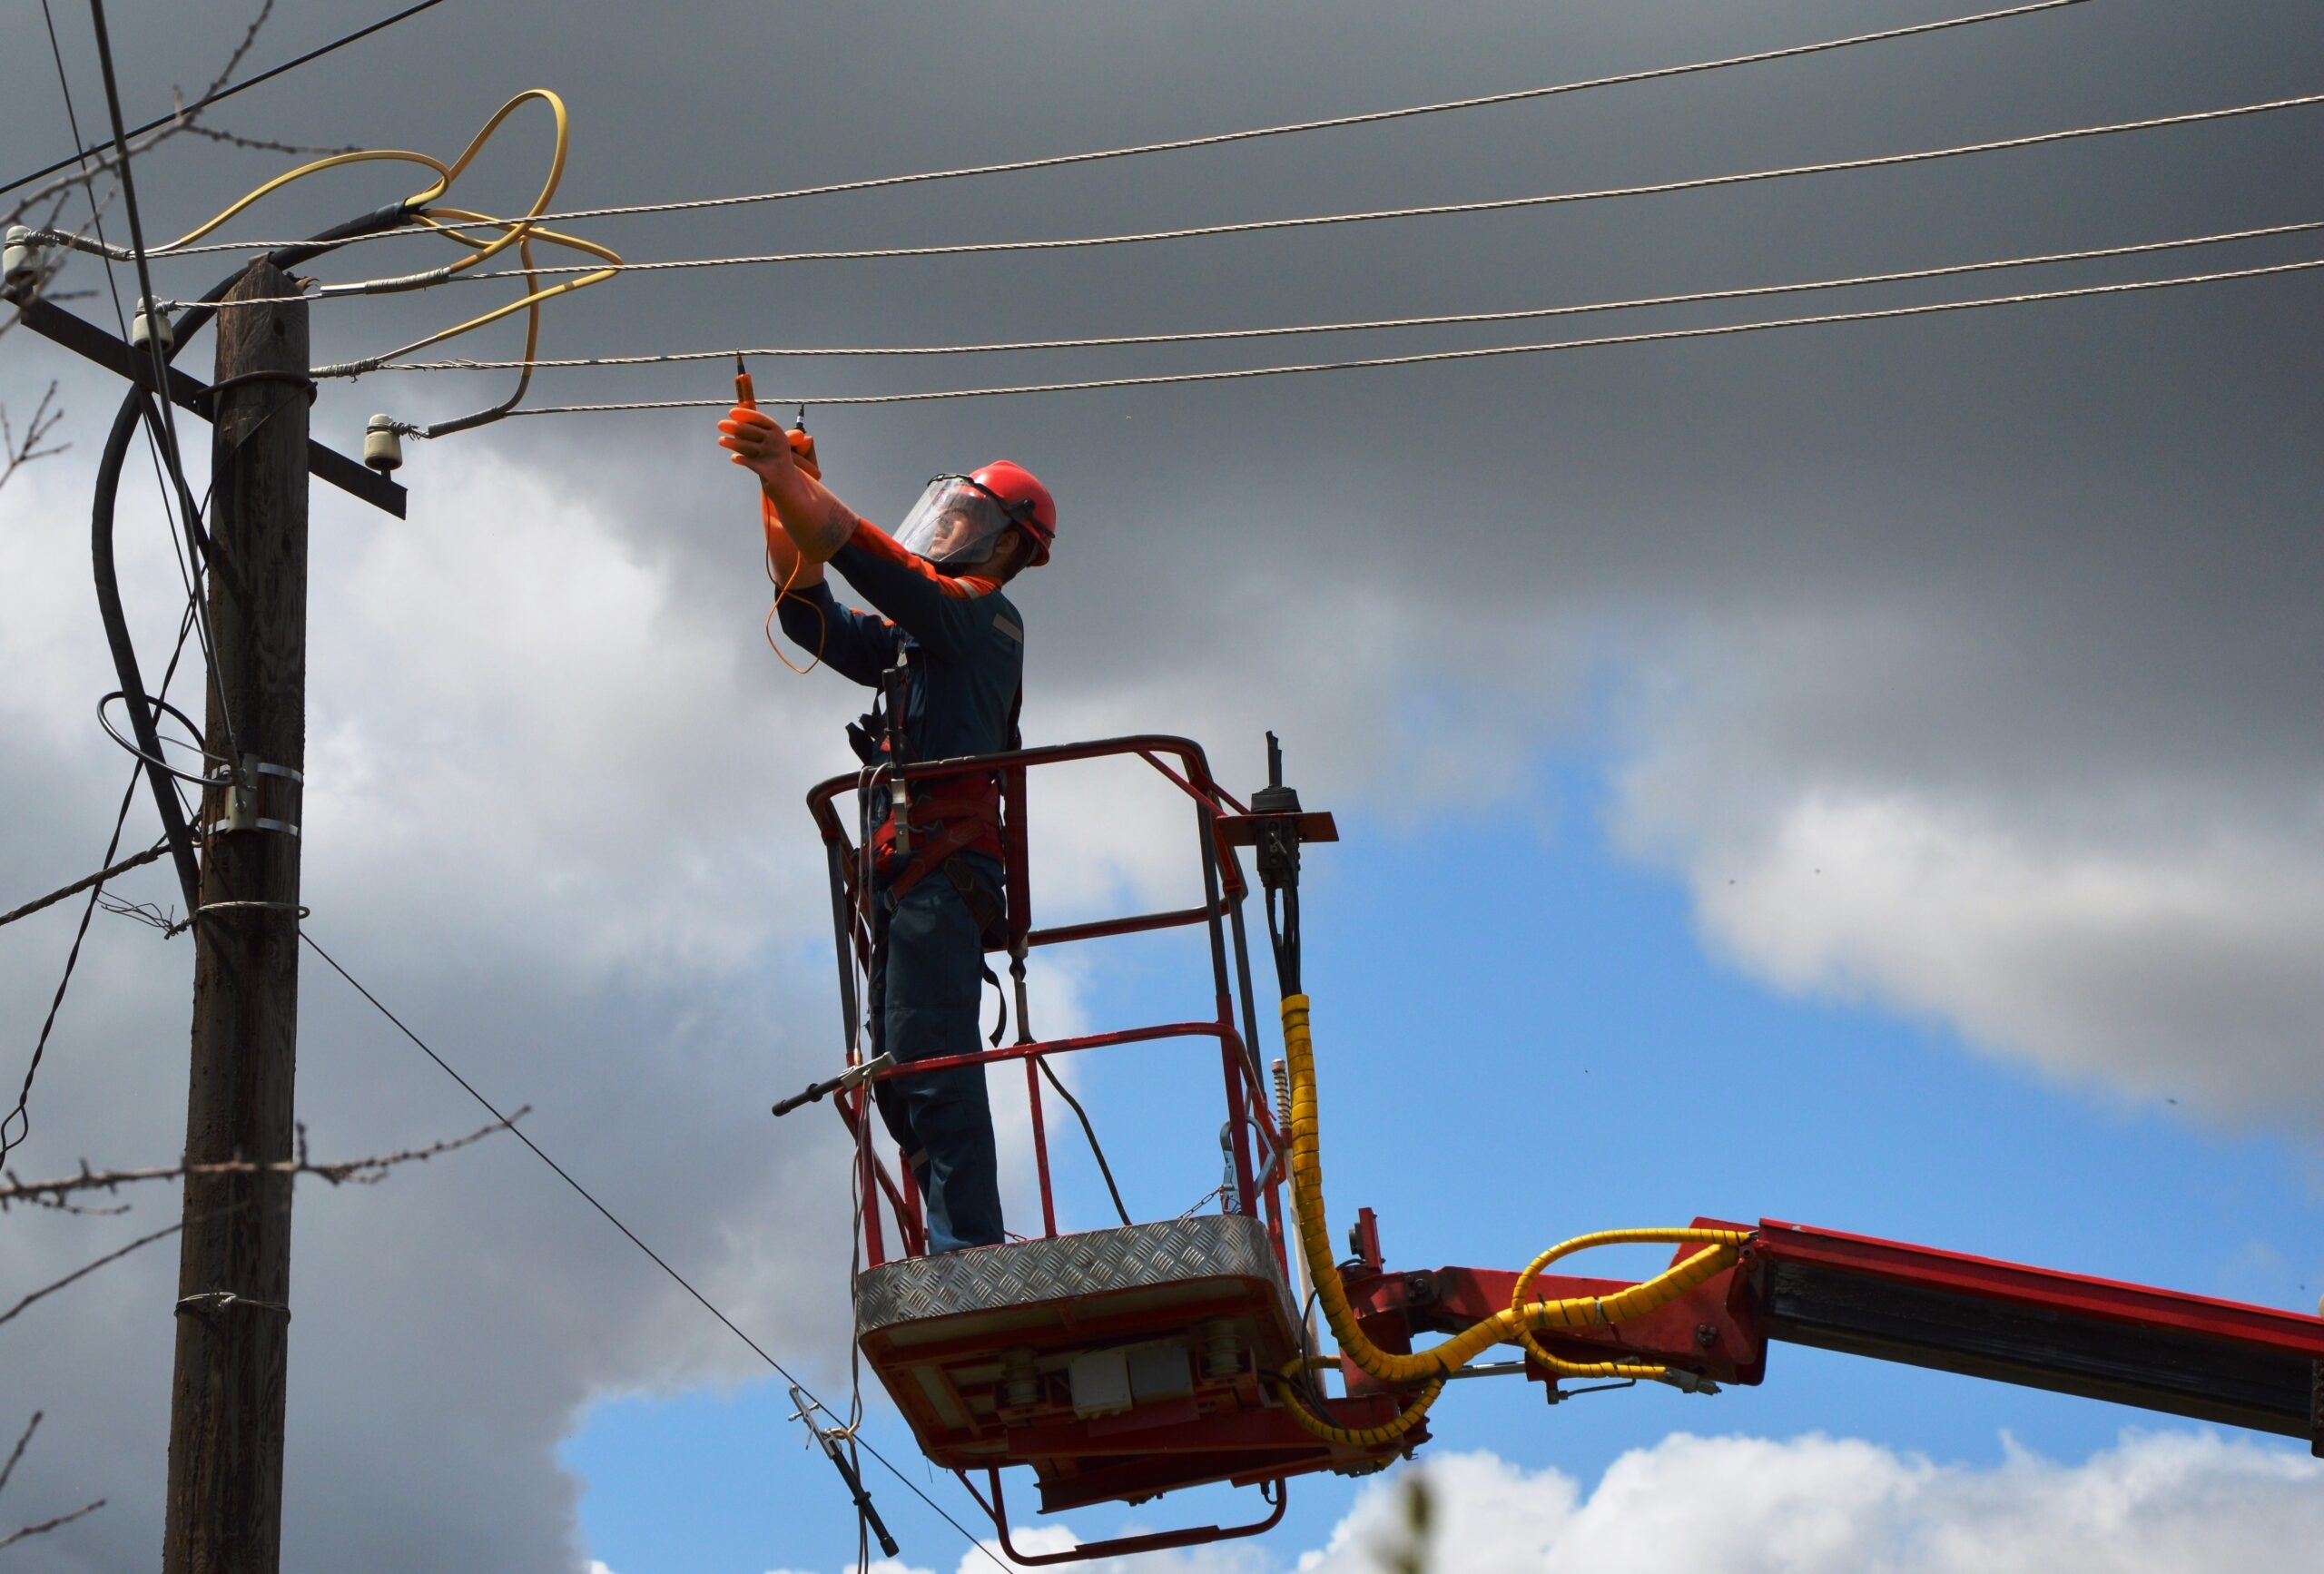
956, 523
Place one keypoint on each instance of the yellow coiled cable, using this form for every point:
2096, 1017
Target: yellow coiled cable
1719, 1252
519, 232
525, 232
445, 176
363, 155
540, 203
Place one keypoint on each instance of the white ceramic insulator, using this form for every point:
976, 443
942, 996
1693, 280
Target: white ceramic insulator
20, 269
149, 324
382, 444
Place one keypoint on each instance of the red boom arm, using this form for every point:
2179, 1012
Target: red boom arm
2249, 1366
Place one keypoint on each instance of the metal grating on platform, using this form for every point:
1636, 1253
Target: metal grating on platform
1095, 1263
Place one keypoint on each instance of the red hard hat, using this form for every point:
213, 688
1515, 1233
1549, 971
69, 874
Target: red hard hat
1028, 502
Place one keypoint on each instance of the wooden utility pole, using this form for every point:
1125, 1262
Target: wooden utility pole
225, 1510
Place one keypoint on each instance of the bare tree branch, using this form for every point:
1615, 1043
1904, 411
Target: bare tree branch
233, 61
45, 1526
83, 1272
95, 169
19, 454
103, 164
17, 1452
183, 120
261, 145
360, 1171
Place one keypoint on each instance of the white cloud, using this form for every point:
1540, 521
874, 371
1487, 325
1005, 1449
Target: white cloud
514, 680
2153, 931
2160, 969
2157, 1503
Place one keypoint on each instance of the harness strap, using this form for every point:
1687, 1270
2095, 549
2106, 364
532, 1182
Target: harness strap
971, 827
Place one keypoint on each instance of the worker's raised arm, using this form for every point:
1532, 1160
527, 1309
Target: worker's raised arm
940, 610
817, 523
855, 645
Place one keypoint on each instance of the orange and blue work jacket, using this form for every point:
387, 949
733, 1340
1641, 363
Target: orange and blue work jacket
961, 644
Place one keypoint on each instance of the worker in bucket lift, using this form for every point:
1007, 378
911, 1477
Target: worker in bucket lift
947, 661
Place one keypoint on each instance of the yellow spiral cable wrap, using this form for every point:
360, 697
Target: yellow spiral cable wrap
1665, 1236
1358, 1437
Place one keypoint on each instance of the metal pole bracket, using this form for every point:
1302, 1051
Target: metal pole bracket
247, 788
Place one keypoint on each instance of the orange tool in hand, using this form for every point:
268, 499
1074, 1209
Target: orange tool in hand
802, 447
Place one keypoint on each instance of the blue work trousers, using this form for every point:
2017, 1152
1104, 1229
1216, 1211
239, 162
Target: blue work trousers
927, 989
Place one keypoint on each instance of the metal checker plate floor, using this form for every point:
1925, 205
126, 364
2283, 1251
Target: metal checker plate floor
1095, 1262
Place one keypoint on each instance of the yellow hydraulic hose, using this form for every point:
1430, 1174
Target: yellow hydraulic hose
1719, 1253
1635, 1369
1356, 1437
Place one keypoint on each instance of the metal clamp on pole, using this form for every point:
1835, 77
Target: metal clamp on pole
828, 1442
853, 1077
243, 796
1275, 830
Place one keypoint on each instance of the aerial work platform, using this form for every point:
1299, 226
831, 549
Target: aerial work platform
1116, 1363
1119, 1364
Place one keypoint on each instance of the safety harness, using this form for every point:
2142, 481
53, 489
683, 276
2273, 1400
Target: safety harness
927, 831
924, 832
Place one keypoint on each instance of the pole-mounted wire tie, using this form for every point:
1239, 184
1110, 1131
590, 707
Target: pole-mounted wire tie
211, 1302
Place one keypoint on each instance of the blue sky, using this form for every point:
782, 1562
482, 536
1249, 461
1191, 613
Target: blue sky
1521, 1037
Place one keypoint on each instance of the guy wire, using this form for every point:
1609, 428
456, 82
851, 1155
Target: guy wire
610, 1217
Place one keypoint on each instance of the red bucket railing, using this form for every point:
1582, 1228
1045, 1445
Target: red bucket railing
1258, 1181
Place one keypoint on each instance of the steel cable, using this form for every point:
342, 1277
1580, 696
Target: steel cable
1332, 123
1486, 353
1207, 336
1425, 210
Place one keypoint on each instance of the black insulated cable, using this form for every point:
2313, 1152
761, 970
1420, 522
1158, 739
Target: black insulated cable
159, 353
136, 405
867, 1516
1089, 1131
124, 650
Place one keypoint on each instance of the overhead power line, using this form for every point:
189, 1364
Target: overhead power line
226, 92
635, 1239
173, 458
1218, 139
1207, 336
1602, 341
1427, 210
